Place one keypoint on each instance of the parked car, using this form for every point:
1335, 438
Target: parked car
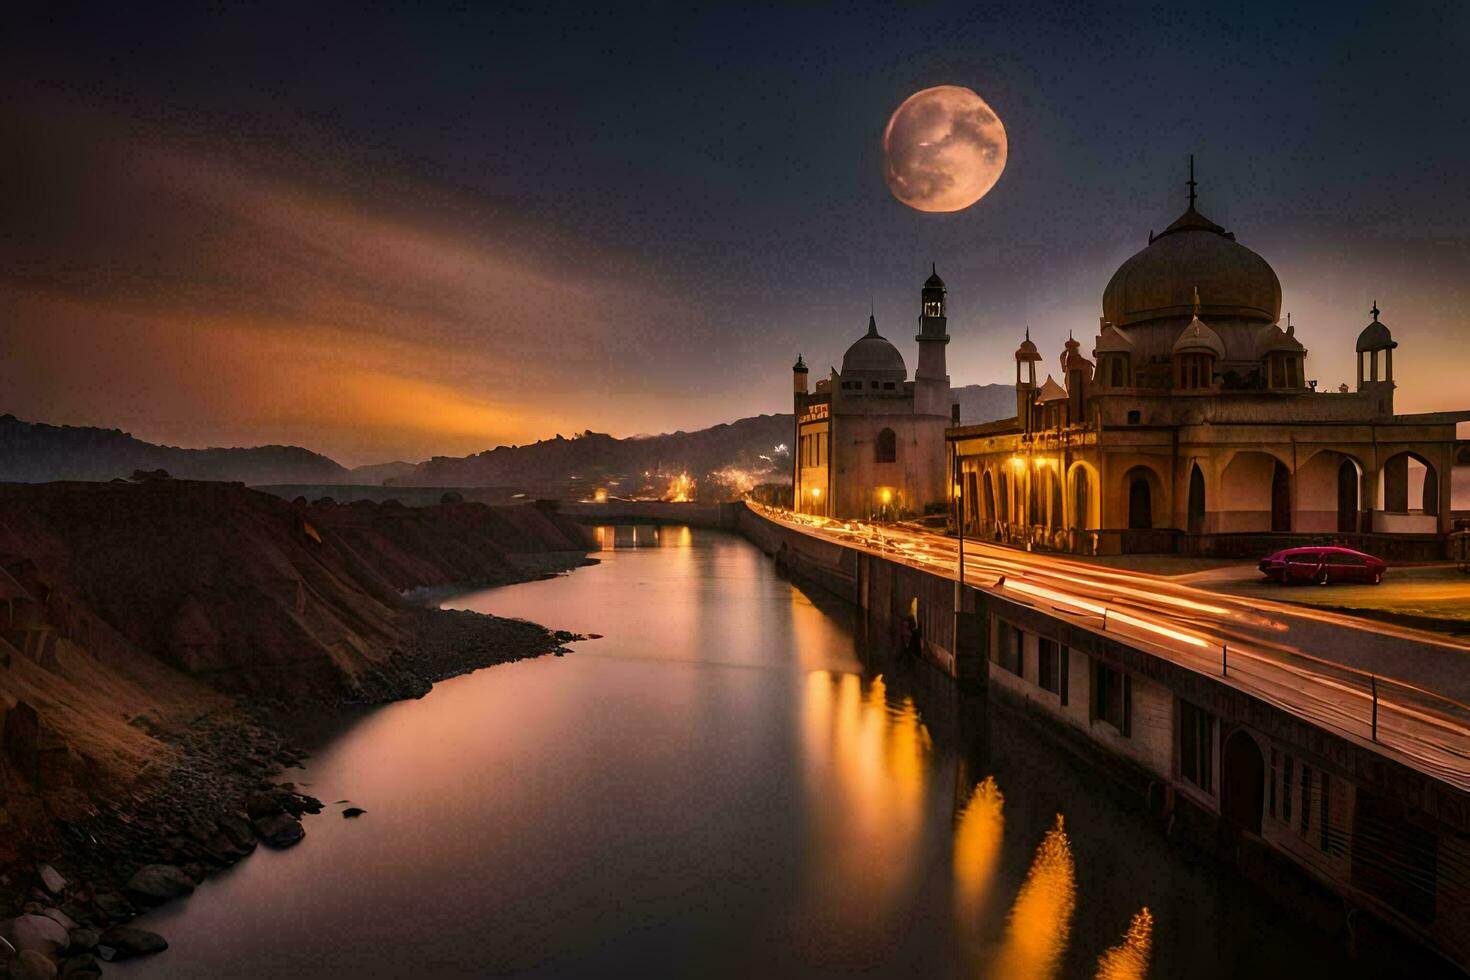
1295, 566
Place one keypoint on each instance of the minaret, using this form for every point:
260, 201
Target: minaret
1026, 357
798, 376
931, 388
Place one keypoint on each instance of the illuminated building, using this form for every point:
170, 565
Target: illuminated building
1195, 429
870, 441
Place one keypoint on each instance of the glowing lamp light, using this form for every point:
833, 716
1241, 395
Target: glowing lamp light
885, 495
816, 492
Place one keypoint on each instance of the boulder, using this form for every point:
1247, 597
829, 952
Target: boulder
55, 884
159, 883
236, 828
122, 942
279, 830
85, 938
115, 907
31, 965
60, 918
264, 804
35, 932
83, 967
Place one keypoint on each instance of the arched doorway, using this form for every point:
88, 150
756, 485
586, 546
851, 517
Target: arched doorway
1140, 503
1005, 497
1280, 497
1347, 496
1055, 514
1242, 783
1196, 500
990, 511
1081, 498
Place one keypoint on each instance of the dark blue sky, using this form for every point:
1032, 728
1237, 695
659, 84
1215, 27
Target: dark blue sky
632, 218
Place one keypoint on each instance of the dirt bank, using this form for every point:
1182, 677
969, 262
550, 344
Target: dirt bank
153, 639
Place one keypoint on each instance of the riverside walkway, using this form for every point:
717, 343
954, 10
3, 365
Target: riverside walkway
1403, 692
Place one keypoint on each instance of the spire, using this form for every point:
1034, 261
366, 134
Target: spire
1196, 301
1192, 182
872, 325
1375, 311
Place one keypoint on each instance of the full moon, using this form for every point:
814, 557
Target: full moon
943, 149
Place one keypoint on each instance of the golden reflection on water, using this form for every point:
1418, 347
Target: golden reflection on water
977, 840
618, 536
865, 759
1129, 959
1041, 918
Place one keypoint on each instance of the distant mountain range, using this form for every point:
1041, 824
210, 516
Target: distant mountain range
744, 450
33, 452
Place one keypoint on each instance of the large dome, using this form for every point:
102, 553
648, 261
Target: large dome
1159, 281
871, 354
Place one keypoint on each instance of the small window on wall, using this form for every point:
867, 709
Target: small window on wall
1010, 651
888, 386
1051, 667
1112, 698
885, 447
1197, 746
1135, 417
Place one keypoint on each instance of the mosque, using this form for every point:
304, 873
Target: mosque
870, 442
1193, 429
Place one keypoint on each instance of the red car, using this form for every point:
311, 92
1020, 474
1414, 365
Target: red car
1322, 565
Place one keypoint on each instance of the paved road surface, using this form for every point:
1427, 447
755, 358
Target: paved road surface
1321, 665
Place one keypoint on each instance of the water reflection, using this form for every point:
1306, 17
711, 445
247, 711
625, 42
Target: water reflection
1129, 959
865, 770
617, 536
977, 840
1041, 919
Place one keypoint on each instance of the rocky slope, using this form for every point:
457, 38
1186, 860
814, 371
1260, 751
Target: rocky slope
152, 637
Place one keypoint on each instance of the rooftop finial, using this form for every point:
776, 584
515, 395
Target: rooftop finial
1196, 301
1192, 182
1028, 331
1375, 311
872, 325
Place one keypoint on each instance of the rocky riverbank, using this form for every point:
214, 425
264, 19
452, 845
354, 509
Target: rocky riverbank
135, 761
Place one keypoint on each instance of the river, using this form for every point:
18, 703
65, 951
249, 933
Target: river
726, 784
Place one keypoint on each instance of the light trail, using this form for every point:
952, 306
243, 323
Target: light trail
1428, 730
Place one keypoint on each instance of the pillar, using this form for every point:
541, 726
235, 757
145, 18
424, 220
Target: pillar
1396, 485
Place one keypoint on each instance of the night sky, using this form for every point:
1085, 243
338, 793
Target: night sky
399, 233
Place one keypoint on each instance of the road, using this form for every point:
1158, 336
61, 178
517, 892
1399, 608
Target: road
1401, 691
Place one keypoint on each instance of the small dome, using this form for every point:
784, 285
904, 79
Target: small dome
934, 282
1027, 351
872, 354
1199, 338
800, 366
1375, 336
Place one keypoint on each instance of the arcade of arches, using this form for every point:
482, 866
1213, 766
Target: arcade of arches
1194, 426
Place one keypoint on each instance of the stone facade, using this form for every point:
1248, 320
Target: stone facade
870, 440
1193, 427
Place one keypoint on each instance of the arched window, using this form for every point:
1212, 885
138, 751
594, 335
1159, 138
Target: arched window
885, 449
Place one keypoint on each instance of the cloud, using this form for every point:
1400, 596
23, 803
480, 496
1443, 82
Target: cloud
182, 287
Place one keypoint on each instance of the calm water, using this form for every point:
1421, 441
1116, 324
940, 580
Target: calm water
728, 784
